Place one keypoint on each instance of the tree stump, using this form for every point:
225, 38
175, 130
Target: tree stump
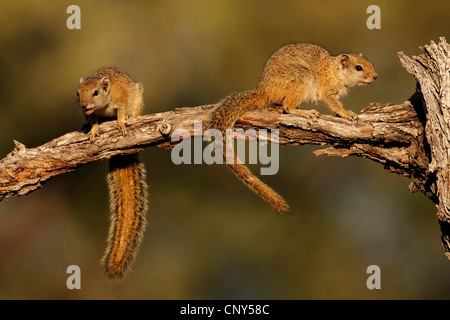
432, 73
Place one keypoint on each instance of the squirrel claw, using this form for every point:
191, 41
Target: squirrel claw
92, 137
93, 133
123, 130
312, 115
349, 114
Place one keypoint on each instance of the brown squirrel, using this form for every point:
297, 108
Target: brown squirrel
110, 94
294, 75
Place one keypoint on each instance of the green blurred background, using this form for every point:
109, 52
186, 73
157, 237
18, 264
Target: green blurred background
208, 236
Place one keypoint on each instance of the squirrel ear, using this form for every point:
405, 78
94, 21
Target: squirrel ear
106, 85
344, 60
81, 80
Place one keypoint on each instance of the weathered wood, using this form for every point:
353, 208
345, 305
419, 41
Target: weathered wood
412, 138
384, 133
432, 72
27, 169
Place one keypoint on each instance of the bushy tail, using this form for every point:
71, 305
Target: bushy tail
128, 204
269, 195
224, 117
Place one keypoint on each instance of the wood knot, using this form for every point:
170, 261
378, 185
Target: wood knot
165, 128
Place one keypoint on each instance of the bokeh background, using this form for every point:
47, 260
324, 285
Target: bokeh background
209, 237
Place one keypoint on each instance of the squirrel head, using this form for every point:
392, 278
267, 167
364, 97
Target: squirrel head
355, 71
94, 94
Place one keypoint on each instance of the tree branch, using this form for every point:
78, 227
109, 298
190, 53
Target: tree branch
392, 135
389, 134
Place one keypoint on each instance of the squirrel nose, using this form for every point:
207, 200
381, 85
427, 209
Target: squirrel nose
375, 76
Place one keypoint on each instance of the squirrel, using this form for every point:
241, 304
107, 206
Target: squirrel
111, 94
295, 74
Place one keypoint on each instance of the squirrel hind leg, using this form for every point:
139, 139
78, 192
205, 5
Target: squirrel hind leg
310, 115
136, 102
290, 106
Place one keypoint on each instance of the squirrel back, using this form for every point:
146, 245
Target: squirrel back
306, 73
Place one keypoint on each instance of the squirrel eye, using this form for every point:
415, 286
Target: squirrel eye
95, 93
358, 68
78, 94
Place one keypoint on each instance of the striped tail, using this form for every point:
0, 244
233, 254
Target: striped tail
128, 205
225, 116
269, 195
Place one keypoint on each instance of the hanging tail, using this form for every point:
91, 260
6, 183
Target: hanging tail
128, 205
224, 117
269, 195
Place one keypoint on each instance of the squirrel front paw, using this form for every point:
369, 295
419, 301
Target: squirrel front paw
123, 129
93, 133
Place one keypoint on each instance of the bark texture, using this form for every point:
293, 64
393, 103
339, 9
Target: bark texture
432, 73
389, 134
411, 139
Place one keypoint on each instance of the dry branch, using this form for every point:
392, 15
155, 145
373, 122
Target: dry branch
393, 135
384, 133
